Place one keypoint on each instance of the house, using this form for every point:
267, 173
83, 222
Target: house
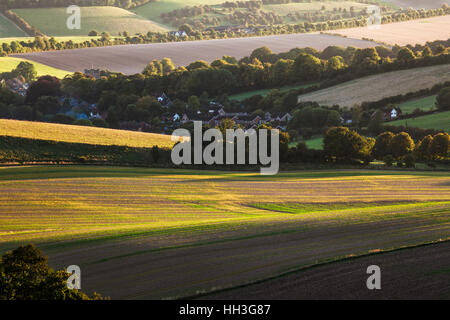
95, 73
177, 34
164, 100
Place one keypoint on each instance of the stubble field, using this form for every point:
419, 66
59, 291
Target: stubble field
154, 233
377, 87
403, 33
131, 59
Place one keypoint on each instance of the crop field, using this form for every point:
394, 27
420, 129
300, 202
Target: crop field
403, 33
418, 4
423, 104
161, 233
377, 87
131, 59
81, 134
7, 64
9, 29
438, 121
52, 21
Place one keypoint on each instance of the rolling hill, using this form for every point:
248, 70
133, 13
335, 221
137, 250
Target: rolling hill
437, 121
377, 87
81, 134
109, 19
9, 29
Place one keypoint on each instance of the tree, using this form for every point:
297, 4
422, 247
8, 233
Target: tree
341, 143
194, 103
26, 70
427, 52
440, 146
405, 55
443, 99
263, 54
365, 57
376, 123
25, 275
44, 86
423, 148
382, 147
401, 145
335, 64
307, 67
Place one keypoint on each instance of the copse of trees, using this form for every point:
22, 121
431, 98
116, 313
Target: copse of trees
344, 145
25, 275
443, 99
433, 147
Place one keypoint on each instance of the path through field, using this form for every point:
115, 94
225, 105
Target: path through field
159, 233
131, 59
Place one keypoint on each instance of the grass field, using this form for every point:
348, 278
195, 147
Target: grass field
403, 33
9, 29
81, 134
265, 92
423, 104
377, 87
155, 233
52, 21
438, 121
7, 64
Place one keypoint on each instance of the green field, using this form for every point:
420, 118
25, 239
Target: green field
153, 10
81, 134
158, 233
109, 19
9, 29
437, 121
424, 104
7, 64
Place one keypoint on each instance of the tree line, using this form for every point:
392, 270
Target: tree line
49, 44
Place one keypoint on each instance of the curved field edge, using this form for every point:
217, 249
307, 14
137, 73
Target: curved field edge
321, 263
7, 64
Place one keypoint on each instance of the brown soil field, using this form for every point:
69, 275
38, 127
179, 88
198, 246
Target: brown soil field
160, 233
414, 273
418, 4
403, 33
131, 59
377, 87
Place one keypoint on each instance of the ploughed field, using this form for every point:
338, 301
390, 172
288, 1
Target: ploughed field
162, 233
131, 59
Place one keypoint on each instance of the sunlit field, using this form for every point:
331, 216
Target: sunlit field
156, 233
82, 134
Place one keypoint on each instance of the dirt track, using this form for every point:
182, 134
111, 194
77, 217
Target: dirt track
416, 273
131, 59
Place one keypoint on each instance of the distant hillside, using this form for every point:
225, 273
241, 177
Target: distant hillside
79, 134
108, 19
377, 87
9, 29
